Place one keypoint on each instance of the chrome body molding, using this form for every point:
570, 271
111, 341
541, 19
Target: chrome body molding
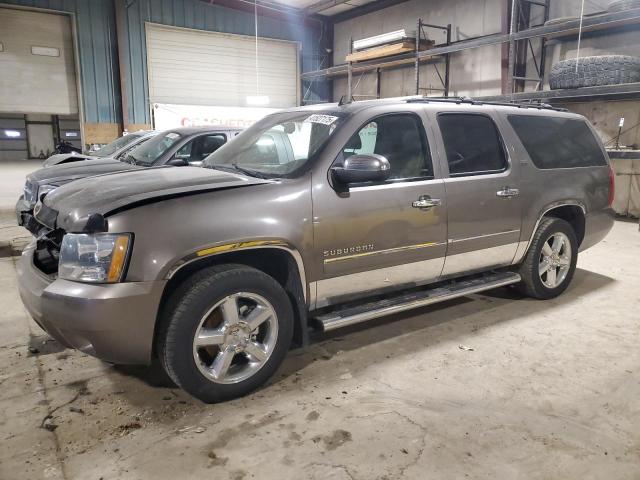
456, 240
523, 245
383, 252
346, 287
244, 246
479, 259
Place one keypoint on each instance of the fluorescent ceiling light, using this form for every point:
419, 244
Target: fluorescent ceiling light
12, 133
380, 39
256, 100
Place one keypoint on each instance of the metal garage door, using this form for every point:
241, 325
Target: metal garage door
37, 68
194, 67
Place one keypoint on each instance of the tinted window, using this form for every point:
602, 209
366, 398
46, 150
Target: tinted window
554, 142
472, 144
399, 138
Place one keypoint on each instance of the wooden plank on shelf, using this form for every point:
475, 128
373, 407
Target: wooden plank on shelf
405, 46
101, 132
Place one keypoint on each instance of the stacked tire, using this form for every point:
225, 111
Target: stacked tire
594, 71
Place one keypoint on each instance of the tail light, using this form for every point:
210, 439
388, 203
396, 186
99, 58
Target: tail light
612, 185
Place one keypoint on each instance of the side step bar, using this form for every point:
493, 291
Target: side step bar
407, 301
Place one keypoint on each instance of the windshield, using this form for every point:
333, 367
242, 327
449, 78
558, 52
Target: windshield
110, 148
278, 145
151, 150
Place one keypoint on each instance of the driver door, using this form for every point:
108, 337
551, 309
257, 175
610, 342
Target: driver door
375, 237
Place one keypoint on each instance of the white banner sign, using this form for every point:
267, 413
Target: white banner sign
172, 116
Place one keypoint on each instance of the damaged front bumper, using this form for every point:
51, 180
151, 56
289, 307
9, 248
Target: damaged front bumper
114, 322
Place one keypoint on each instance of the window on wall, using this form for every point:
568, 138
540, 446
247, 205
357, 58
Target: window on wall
556, 142
400, 139
472, 144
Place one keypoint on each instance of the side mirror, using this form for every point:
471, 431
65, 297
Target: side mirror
178, 162
362, 169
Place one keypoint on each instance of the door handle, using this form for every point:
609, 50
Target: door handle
507, 192
426, 201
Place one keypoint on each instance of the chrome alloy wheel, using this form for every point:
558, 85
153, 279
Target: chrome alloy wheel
555, 260
235, 338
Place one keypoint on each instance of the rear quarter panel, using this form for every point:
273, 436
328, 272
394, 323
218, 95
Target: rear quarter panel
544, 189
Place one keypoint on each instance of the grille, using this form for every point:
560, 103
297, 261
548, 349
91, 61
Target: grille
47, 252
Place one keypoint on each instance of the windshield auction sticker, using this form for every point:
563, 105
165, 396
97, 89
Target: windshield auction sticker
323, 119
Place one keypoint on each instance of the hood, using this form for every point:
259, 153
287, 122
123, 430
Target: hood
67, 172
71, 206
61, 157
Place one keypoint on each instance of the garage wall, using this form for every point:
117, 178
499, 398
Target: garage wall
37, 66
473, 72
184, 65
95, 24
95, 27
198, 15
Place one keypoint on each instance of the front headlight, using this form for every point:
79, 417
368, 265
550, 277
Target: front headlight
94, 258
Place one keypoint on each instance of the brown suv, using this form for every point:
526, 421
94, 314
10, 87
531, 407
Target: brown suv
316, 216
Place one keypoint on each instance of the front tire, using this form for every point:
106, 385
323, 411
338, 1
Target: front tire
551, 260
225, 331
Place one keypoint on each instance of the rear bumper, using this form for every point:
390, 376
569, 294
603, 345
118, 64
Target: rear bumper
113, 322
596, 226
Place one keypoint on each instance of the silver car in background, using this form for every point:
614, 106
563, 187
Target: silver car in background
116, 149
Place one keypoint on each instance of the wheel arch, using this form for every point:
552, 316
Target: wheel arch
572, 211
278, 260
573, 214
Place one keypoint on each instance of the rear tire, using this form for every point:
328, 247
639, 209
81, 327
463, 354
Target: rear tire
224, 332
551, 260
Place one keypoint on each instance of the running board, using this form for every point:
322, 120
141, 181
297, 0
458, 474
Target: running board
407, 301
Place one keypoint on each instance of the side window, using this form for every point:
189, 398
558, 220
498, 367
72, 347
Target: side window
400, 139
200, 147
184, 151
557, 142
209, 144
472, 144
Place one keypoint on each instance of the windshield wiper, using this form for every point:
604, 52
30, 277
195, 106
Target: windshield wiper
237, 168
248, 171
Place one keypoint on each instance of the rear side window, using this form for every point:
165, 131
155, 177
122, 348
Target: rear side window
472, 144
554, 142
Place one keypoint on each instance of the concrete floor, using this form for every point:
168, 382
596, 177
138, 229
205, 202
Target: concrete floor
550, 390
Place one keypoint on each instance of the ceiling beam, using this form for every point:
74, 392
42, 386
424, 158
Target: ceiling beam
364, 9
323, 5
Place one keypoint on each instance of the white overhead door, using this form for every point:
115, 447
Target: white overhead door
37, 68
194, 67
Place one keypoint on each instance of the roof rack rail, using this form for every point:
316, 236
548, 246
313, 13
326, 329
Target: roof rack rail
471, 101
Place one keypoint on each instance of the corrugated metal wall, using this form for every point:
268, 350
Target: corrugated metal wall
199, 15
95, 26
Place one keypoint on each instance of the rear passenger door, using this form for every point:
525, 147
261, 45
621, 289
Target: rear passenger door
483, 197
